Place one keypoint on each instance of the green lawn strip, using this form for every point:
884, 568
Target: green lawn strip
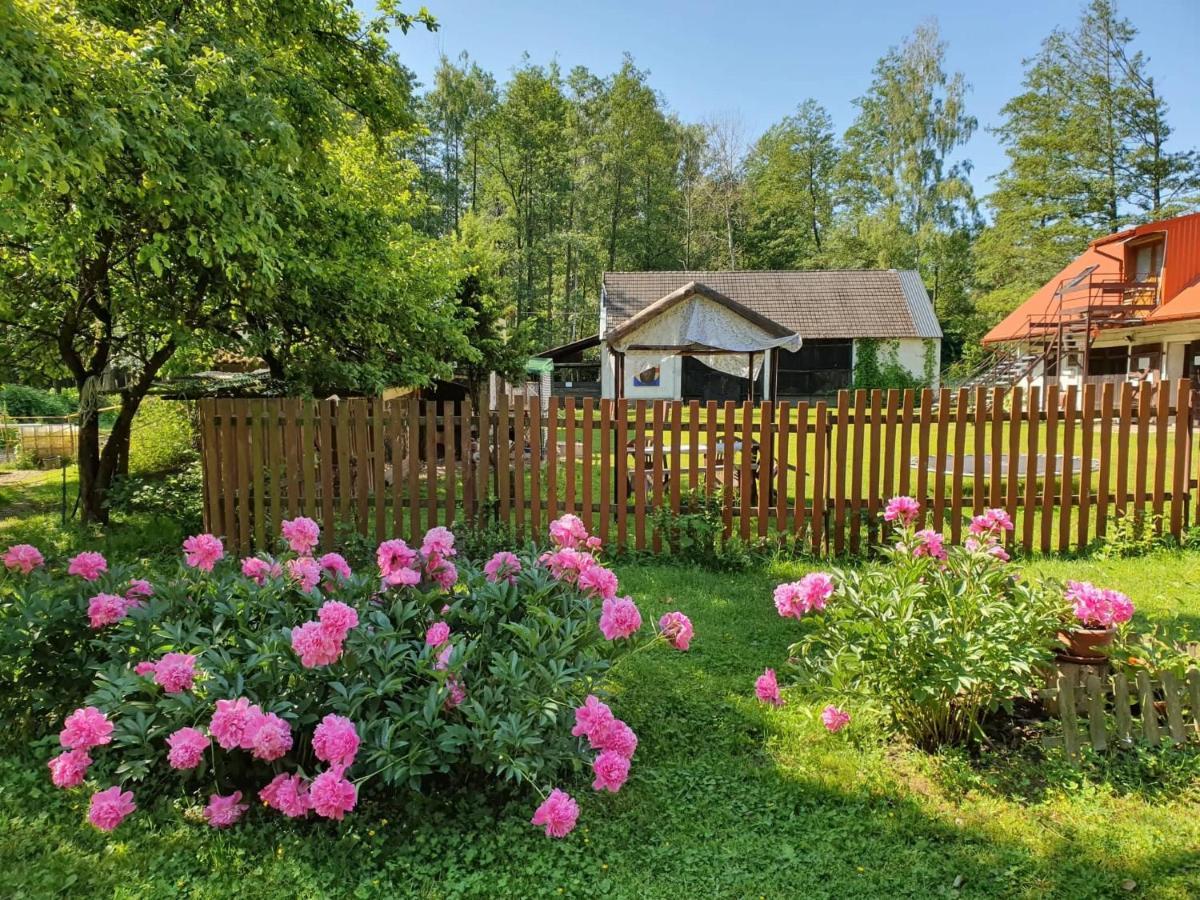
727, 798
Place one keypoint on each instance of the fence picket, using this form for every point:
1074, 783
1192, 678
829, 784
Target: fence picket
766, 461
962, 418
1031, 455
589, 409
1049, 481
552, 456
1087, 430
1162, 416
606, 418
820, 481
800, 501
1068, 472
1179, 462
873, 473
782, 466
1012, 483
414, 464
535, 467
1104, 476
519, 446
639, 474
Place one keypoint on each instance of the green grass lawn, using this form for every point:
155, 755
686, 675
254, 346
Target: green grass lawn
727, 798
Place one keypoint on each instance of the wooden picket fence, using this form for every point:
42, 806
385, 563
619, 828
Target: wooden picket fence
1111, 712
1061, 462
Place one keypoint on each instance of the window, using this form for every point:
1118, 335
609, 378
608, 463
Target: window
1108, 361
818, 368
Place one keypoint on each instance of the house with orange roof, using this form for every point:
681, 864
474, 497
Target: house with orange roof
1127, 308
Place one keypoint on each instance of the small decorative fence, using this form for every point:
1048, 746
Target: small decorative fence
1112, 712
1061, 464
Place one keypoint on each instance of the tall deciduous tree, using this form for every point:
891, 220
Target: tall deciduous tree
161, 164
790, 191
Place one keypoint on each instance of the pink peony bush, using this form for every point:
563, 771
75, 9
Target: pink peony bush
939, 637
306, 685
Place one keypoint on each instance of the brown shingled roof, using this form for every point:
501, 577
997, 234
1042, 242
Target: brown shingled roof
841, 303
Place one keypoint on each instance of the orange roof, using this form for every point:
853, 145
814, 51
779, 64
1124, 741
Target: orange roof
1013, 326
1184, 305
1180, 277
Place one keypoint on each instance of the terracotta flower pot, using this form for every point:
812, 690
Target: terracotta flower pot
1086, 643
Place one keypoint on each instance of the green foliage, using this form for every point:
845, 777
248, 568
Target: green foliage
486, 537
799, 813
21, 400
164, 437
173, 496
877, 365
938, 647
1135, 533
695, 536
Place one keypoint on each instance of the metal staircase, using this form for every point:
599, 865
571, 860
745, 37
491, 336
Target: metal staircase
1082, 306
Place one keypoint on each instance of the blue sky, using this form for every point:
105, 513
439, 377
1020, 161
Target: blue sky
759, 59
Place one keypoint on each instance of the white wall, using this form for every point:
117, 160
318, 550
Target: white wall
670, 375
910, 353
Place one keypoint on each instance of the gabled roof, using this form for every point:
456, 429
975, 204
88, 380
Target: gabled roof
1181, 273
837, 303
696, 289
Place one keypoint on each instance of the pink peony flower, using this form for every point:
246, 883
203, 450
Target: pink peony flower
438, 541
270, 738
619, 618
930, 543
437, 634
1098, 608
591, 717
305, 572
231, 720
903, 510
766, 688
139, 589
288, 794
335, 740
568, 531
441, 571
86, 728
396, 563
109, 808
144, 668
558, 813
991, 522
614, 735
222, 812
677, 629
24, 558
611, 769
335, 567
259, 570
593, 543
443, 658
69, 767
175, 671
834, 719
332, 795
203, 551
502, 566
88, 565
316, 645
807, 595
186, 748
337, 618
106, 609
301, 533
567, 564
598, 582
458, 693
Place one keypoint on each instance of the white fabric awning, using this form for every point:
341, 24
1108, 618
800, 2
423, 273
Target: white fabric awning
701, 325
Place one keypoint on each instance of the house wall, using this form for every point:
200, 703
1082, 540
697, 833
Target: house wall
910, 353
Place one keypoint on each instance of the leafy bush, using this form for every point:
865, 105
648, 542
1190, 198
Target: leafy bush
939, 638
176, 496
299, 669
20, 400
695, 536
1135, 533
163, 437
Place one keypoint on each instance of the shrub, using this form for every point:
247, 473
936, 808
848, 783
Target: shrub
1135, 533
176, 496
21, 401
279, 676
163, 438
695, 536
938, 637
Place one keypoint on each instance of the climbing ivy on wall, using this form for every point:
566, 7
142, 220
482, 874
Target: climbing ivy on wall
877, 365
